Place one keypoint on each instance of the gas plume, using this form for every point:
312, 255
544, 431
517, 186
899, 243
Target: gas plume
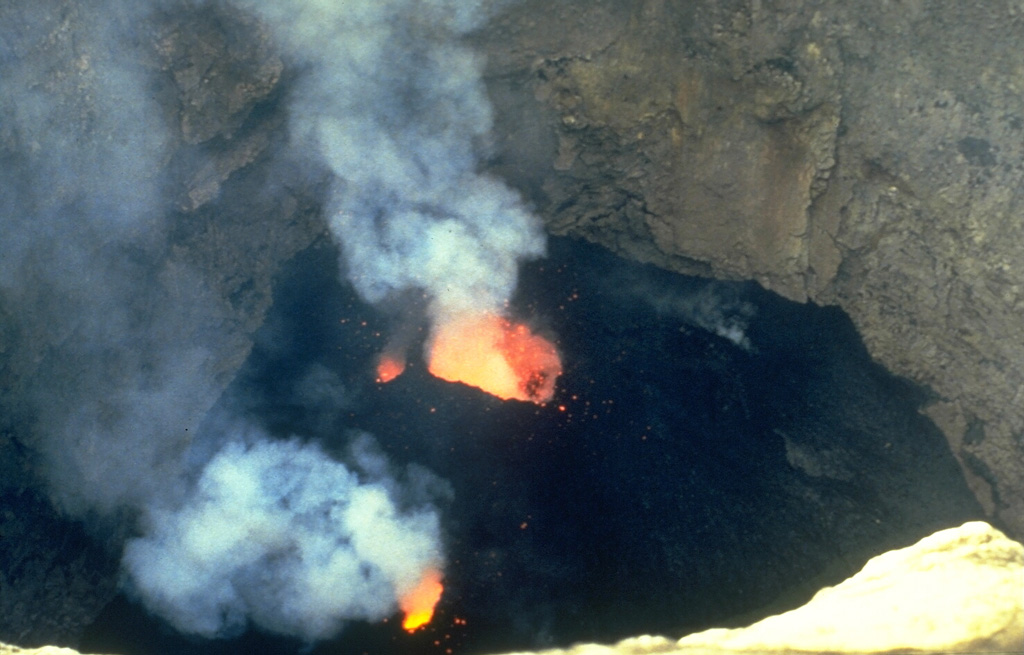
397, 109
113, 348
278, 533
709, 306
107, 351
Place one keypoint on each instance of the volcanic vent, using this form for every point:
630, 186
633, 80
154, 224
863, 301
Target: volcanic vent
710, 451
456, 445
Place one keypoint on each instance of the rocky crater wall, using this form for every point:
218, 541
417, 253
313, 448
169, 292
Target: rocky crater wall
866, 155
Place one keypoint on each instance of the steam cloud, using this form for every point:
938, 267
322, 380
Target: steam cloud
280, 534
104, 346
711, 307
116, 344
712, 310
397, 110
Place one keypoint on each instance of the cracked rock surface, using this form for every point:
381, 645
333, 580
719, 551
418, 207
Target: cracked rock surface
863, 155
868, 156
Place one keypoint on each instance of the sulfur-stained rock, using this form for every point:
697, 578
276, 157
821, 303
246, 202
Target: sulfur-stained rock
868, 156
7, 649
958, 590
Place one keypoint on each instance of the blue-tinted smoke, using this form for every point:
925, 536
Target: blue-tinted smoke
109, 372
278, 533
396, 107
117, 347
709, 309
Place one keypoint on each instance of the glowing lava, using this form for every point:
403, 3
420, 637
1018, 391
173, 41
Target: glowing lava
418, 605
389, 367
491, 353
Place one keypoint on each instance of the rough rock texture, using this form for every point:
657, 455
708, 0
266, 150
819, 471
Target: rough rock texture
211, 69
959, 590
49, 587
867, 155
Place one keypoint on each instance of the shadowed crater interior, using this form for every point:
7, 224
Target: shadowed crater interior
713, 454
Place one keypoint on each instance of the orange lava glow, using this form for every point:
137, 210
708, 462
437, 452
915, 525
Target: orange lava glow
389, 367
418, 605
491, 353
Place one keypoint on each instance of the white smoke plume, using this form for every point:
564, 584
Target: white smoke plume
101, 344
713, 307
397, 109
711, 310
115, 344
278, 533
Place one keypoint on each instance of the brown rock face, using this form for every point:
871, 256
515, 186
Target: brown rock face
866, 157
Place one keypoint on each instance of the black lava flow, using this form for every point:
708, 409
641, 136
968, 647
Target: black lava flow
679, 480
